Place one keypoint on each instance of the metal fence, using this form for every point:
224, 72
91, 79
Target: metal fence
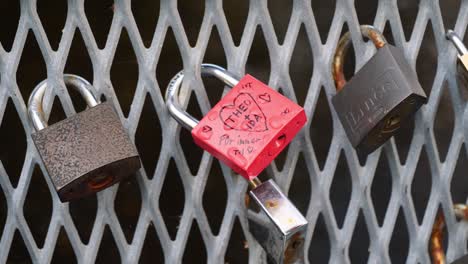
186, 207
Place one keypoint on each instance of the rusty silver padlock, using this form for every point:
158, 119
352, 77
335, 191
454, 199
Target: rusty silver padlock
379, 97
280, 226
462, 64
86, 152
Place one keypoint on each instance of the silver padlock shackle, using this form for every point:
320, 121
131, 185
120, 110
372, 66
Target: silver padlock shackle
184, 118
35, 109
172, 92
367, 31
455, 39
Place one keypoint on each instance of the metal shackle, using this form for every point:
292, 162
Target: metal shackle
436, 248
367, 31
184, 118
172, 92
35, 103
455, 39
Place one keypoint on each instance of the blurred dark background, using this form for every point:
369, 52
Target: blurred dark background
124, 76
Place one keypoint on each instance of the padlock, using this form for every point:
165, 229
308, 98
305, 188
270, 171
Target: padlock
280, 226
462, 65
384, 93
248, 128
86, 152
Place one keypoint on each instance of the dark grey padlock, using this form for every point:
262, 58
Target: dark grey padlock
86, 152
384, 93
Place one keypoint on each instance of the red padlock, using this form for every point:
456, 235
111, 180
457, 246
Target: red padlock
248, 128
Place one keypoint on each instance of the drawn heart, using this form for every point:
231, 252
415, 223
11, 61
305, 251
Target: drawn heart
206, 129
244, 114
265, 98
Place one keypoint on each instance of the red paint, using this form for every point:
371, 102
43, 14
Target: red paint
253, 124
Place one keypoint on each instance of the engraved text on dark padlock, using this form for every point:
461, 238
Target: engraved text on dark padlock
381, 95
86, 152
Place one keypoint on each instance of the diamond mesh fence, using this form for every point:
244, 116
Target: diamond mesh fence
183, 206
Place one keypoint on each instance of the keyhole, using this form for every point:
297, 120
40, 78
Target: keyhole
394, 120
100, 181
296, 244
392, 124
280, 140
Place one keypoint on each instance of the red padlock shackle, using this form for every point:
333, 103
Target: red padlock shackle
35, 109
172, 92
367, 31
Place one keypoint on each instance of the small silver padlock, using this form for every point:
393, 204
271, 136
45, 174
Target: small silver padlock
279, 227
84, 153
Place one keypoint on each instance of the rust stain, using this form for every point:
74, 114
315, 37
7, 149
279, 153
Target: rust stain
461, 211
376, 38
247, 200
246, 244
294, 249
341, 50
338, 62
271, 203
435, 246
99, 182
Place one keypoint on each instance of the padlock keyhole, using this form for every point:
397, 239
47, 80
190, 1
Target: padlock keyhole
392, 124
99, 182
394, 120
280, 141
277, 144
296, 244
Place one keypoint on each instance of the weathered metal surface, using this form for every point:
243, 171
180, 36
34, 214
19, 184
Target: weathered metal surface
382, 95
86, 152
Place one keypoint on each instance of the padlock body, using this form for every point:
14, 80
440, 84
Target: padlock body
249, 127
384, 93
86, 152
279, 227
462, 68
463, 260
463, 60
